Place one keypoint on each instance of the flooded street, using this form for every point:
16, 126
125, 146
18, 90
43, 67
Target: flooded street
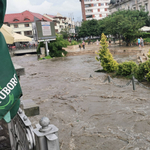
90, 114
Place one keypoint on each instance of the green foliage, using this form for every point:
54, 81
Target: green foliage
146, 40
55, 47
125, 23
47, 57
89, 28
73, 42
148, 54
65, 32
126, 68
41, 44
105, 57
143, 71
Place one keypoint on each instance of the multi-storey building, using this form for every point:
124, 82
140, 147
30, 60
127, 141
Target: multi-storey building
94, 9
116, 5
61, 22
22, 23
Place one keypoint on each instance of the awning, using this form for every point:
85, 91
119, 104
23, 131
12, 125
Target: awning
8, 34
12, 37
21, 38
145, 28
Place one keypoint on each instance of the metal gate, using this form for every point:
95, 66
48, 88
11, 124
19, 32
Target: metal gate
21, 132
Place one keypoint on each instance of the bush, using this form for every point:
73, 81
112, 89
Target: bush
41, 44
105, 57
73, 42
126, 68
147, 40
55, 47
143, 71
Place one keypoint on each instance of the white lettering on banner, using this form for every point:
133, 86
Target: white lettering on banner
9, 87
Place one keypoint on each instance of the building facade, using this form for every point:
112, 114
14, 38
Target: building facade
22, 23
94, 9
61, 22
116, 5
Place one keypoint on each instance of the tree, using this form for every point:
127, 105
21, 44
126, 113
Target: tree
89, 28
124, 23
105, 57
65, 32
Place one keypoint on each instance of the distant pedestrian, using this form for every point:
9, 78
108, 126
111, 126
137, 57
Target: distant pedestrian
109, 42
139, 41
83, 44
80, 46
97, 42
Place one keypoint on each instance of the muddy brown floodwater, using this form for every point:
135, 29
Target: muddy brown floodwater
90, 114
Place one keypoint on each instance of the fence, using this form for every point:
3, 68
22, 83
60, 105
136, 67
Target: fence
133, 81
24, 137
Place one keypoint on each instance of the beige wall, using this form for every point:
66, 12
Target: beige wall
21, 27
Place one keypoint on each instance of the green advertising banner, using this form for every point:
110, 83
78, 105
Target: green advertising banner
10, 90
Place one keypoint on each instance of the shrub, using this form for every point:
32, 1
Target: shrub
126, 68
147, 40
73, 42
105, 57
148, 54
55, 47
41, 44
143, 71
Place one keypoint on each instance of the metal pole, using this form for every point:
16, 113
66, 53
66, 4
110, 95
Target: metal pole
133, 83
47, 50
109, 79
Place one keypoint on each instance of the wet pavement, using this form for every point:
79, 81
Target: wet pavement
90, 114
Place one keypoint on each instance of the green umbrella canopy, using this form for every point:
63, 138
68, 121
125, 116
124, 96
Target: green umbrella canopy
10, 90
2, 11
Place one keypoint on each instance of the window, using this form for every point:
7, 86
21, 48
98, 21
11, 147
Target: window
27, 33
26, 19
88, 16
102, 4
15, 25
88, 10
134, 8
87, 5
26, 25
103, 15
18, 32
94, 10
96, 16
15, 20
146, 7
140, 6
95, 5
56, 30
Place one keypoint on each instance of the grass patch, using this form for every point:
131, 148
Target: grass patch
46, 57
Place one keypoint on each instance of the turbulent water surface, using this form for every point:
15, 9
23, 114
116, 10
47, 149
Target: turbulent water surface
90, 114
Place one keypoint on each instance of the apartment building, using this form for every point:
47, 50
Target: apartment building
22, 23
116, 5
94, 9
61, 22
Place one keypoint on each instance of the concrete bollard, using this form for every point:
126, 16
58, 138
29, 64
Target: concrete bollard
46, 135
109, 79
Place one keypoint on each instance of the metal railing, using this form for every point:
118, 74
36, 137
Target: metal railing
133, 81
24, 137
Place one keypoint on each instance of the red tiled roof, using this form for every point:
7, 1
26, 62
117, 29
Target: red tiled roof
29, 16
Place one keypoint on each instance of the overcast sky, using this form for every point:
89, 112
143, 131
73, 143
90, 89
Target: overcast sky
67, 8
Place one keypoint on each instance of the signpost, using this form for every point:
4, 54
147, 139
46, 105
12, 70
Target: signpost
45, 33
